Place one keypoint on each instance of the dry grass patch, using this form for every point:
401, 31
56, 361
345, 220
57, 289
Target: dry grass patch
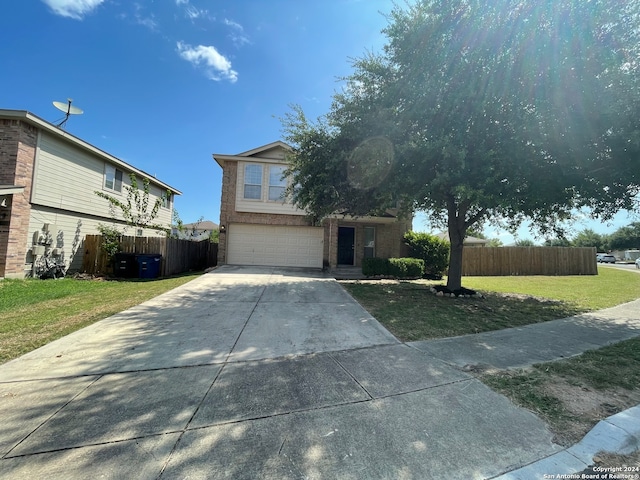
573, 395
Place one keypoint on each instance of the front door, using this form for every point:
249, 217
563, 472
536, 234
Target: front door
346, 245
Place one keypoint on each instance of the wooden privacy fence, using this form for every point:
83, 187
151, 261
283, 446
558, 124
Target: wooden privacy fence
177, 255
504, 261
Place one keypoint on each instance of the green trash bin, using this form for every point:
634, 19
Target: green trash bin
149, 265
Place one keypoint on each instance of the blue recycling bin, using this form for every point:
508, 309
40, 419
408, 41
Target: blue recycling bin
149, 265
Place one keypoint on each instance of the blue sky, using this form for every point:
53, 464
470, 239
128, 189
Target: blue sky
166, 83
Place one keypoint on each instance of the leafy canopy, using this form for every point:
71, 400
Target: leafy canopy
481, 112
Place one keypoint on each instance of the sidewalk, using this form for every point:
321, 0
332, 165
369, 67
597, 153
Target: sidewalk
275, 374
543, 342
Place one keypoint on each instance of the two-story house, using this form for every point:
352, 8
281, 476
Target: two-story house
259, 226
47, 202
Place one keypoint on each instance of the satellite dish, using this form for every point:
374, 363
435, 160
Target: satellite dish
68, 110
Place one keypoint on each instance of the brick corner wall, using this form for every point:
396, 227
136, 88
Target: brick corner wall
18, 142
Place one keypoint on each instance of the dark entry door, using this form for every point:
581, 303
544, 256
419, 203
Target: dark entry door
346, 245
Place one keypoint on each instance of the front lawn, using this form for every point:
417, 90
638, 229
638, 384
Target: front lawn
36, 312
411, 312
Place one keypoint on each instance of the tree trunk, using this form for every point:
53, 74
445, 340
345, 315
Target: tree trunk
454, 277
457, 233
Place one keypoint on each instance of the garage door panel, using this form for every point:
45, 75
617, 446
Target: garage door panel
271, 245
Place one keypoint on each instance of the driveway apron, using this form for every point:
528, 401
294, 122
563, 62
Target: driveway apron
251, 372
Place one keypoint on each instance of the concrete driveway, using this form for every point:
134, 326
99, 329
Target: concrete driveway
253, 373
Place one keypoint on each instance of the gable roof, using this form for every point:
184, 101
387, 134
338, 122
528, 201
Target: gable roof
38, 122
259, 152
467, 240
201, 226
265, 148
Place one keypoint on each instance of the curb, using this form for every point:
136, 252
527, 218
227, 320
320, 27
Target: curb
619, 433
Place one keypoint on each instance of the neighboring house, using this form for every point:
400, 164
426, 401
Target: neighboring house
258, 226
468, 241
195, 231
47, 202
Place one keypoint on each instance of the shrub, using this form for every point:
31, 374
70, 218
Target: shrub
394, 267
110, 240
406, 267
375, 266
431, 249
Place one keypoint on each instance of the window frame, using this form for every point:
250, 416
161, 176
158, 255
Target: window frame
369, 245
246, 184
282, 184
114, 176
166, 200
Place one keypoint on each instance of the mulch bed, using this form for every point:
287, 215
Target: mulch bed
443, 291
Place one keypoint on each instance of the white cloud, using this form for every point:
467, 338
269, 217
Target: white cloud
233, 24
218, 67
192, 12
148, 22
237, 34
73, 8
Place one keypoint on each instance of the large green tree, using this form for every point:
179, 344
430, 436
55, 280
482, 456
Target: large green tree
482, 112
626, 238
589, 238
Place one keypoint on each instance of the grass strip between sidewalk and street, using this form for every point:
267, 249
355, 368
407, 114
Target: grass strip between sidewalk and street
572, 395
35, 312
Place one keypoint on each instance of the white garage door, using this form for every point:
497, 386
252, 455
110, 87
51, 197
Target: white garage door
278, 246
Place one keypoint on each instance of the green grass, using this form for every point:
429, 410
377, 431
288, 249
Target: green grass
592, 292
36, 312
412, 313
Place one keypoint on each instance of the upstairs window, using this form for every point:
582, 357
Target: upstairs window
112, 178
253, 182
166, 200
277, 183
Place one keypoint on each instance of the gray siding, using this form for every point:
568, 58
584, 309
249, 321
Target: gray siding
66, 178
69, 230
64, 181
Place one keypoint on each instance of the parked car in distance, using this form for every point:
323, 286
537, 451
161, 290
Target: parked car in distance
637, 262
606, 258
599, 256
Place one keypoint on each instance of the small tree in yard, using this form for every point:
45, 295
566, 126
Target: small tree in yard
482, 113
135, 209
110, 240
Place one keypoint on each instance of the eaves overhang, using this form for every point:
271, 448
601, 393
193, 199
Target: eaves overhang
38, 122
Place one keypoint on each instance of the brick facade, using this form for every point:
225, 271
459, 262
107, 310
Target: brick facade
229, 215
388, 241
17, 156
